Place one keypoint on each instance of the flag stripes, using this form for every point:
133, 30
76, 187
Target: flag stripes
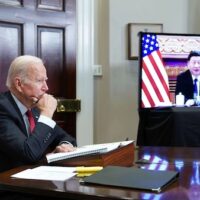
155, 86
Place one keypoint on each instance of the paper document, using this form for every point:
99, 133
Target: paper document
47, 173
111, 146
86, 150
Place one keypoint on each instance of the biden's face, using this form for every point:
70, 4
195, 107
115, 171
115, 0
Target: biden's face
34, 85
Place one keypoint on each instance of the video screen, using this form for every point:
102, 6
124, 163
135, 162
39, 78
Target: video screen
162, 58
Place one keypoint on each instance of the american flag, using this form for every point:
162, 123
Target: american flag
155, 85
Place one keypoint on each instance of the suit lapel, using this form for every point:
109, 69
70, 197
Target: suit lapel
189, 82
16, 112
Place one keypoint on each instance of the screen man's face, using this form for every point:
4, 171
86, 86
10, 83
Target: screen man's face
194, 65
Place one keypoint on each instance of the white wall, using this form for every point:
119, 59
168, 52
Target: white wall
193, 16
116, 92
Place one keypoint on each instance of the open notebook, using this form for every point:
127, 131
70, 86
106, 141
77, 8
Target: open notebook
87, 150
135, 178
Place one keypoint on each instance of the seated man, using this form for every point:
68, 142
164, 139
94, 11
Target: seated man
186, 81
23, 142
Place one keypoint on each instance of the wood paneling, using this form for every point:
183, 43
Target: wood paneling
11, 47
12, 2
35, 30
52, 54
57, 5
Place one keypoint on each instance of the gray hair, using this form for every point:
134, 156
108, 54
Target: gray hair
19, 67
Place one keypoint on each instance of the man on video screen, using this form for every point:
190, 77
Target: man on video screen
188, 81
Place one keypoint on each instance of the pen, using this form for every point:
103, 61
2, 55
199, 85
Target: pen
83, 169
84, 174
87, 171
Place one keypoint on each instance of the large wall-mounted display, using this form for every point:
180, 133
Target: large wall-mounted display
162, 57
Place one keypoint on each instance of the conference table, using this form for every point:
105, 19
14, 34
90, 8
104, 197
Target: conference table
169, 126
184, 160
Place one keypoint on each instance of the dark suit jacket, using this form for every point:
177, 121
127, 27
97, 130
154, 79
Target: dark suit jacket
16, 148
184, 85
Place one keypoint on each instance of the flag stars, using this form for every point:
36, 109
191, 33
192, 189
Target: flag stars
147, 40
145, 51
150, 44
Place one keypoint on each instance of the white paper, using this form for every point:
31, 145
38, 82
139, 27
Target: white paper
111, 146
81, 151
47, 173
86, 150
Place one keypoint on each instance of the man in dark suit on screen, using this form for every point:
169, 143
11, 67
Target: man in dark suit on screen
186, 81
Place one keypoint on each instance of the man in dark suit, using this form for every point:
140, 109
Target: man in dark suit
22, 141
185, 80
19, 145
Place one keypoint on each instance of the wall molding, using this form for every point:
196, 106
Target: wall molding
85, 60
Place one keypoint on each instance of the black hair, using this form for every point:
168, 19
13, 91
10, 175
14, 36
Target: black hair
193, 53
